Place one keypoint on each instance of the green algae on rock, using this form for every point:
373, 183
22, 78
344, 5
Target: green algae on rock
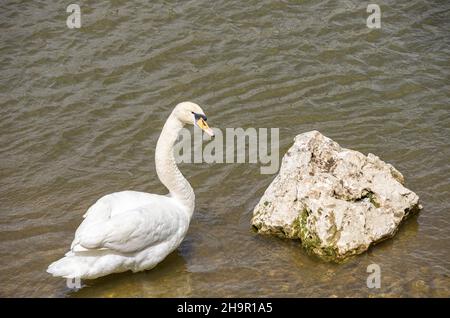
337, 201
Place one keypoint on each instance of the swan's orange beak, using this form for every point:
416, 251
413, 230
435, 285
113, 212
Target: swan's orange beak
204, 126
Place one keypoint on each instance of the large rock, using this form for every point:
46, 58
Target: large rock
337, 201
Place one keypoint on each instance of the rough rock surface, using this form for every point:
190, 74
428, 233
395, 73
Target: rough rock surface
337, 201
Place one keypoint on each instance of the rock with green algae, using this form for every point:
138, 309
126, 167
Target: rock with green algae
337, 201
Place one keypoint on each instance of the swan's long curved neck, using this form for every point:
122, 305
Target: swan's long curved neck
166, 167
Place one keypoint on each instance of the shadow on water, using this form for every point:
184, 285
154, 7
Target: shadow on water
406, 233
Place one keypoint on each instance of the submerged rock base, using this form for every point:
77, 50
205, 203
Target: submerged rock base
337, 201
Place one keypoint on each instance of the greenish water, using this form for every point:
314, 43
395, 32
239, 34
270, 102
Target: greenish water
81, 110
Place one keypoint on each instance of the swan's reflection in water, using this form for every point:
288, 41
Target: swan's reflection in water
170, 278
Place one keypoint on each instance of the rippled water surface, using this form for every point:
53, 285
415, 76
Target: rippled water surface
81, 110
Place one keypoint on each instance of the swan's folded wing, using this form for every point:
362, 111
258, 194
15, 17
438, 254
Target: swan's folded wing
129, 231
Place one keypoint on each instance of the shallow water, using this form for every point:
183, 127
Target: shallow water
81, 111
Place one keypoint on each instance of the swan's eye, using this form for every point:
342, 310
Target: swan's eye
198, 116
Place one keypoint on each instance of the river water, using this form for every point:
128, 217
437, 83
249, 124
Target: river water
81, 110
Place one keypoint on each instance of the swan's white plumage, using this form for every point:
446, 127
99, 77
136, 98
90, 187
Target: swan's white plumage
132, 230
130, 221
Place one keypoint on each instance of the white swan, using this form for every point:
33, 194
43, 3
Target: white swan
132, 230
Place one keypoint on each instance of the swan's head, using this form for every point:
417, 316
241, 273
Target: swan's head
191, 113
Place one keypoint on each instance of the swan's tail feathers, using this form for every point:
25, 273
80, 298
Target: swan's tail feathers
73, 267
77, 265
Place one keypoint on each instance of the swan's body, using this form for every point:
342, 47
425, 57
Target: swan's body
132, 230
